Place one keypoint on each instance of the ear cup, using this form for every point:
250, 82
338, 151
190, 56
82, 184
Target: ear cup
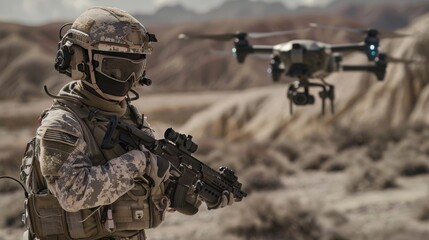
64, 56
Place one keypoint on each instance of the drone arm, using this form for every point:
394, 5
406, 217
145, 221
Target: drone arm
262, 49
347, 47
378, 70
241, 51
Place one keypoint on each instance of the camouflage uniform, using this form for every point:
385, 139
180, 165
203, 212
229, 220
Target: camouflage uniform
79, 174
88, 192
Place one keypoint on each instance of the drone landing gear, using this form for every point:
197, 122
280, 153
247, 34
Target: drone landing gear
303, 97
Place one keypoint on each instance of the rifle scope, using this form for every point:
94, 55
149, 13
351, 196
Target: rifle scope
181, 140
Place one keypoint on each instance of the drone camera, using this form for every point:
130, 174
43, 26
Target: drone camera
301, 98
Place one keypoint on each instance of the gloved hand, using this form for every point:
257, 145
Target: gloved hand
157, 168
226, 199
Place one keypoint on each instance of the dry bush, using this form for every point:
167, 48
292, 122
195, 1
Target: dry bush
10, 162
396, 232
288, 150
11, 215
260, 218
345, 138
259, 178
345, 159
376, 149
412, 167
315, 156
375, 141
336, 218
421, 209
336, 165
370, 177
409, 157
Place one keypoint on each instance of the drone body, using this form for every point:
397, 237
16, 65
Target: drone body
302, 59
308, 60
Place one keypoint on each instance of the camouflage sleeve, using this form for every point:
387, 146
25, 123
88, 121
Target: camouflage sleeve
70, 175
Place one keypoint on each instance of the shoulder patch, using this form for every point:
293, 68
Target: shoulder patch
61, 136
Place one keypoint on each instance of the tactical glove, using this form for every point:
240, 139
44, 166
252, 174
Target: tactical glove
157, 168
226, 199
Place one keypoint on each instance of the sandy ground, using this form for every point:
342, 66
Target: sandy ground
367, 212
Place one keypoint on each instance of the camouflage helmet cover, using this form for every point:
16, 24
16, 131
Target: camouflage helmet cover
106, 29
110, 29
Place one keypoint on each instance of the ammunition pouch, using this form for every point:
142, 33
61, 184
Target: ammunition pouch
47, 220
44, 216
140, 208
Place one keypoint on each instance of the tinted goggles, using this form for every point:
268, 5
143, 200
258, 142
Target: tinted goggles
120, 69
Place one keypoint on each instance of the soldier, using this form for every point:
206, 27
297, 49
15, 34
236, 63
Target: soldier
86, 191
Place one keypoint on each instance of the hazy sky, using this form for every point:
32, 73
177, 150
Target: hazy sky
35, 12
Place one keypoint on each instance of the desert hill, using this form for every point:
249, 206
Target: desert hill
388, 15
347, 186
27, 55
361, 101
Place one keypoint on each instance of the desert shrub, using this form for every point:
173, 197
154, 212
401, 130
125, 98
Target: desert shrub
421, 209
412, 167
336, 165
314, 159
345, 138
370, 177
260, 218
336, 218
376, 149
10, 161
259, 178
376, 141
11, 215
395, 232
341, 161
288, 150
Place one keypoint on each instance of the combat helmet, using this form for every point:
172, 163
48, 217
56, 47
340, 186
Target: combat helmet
106, 48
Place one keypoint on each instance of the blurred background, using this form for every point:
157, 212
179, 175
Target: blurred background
361, 173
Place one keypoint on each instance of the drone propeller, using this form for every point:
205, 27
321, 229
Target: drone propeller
230, 36
231, 53
273, 34
218, 37
221, 52
381, 34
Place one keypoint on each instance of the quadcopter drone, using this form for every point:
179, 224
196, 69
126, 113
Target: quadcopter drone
307, 60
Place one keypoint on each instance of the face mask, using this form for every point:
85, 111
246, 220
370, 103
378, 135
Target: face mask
116, 75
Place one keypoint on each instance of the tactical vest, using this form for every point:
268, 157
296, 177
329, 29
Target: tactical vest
142, 207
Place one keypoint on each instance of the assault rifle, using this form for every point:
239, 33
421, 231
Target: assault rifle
188, 173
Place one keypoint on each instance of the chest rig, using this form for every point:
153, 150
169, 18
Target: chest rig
142, 207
